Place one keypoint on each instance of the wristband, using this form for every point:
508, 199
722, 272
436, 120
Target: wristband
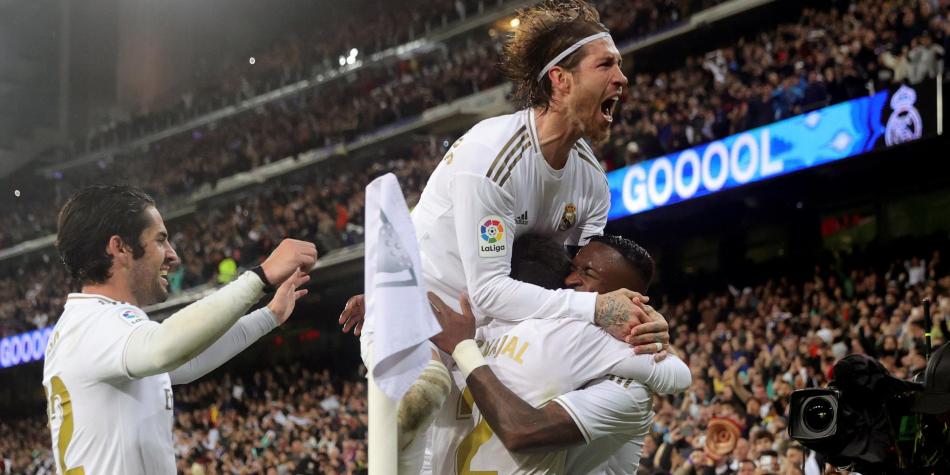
468, 357
268, 287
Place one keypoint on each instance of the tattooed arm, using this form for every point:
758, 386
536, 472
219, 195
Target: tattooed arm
616, 312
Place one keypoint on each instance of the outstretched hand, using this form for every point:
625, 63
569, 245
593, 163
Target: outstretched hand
353, 314
456, 327
286, 296
290, 256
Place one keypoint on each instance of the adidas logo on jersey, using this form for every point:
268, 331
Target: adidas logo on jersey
523, 219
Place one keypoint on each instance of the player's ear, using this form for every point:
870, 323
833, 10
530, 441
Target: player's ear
120, 251
561, 80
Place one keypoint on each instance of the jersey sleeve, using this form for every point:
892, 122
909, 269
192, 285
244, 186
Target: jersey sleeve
592, 353
669, 376
484, 224
108, 341
610, 406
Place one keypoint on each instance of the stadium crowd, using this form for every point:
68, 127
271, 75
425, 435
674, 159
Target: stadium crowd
324, 204
831, 55
334, 113
824, 57
748, 350
369, 28
661, 113
287, 420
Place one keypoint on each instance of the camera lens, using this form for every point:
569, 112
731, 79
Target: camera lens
818, 414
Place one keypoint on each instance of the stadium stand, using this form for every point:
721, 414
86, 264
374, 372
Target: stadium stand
370, 29
748, 349
826, 57
308, 54
649, 126
325, 204
661, 114
336, 113
285, 419
290, 419
178, 165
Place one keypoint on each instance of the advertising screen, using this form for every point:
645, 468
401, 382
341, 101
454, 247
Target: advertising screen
848, 129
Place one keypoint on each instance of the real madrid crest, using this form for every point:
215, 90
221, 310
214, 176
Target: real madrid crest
568, 218
905, 123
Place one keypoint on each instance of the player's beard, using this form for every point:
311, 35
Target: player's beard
147, 286
580, 118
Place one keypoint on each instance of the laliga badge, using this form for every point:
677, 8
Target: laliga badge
491, 237
569, 218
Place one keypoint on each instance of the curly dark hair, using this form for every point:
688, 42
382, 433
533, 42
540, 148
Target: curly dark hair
90, 218
546, 29
633, 253
539, 260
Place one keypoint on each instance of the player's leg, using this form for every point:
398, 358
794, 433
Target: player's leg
417, 409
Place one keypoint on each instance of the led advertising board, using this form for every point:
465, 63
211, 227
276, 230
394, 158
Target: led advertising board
24, 348
823, 136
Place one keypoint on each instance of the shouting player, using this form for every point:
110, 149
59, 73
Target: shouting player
531, 171
109, 370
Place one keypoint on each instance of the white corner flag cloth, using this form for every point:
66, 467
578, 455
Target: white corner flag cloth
398, 314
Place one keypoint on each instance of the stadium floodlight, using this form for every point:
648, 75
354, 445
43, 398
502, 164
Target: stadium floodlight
342, 61
354, 52
351, 60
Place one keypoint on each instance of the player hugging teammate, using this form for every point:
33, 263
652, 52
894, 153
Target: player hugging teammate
534, 172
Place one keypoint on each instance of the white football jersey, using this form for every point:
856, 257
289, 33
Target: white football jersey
614, 414
101, 419
538, 360
493, 185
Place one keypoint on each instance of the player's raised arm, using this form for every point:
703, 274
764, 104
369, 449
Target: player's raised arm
246, 331
155, 349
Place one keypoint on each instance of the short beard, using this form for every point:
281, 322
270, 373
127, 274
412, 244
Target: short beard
597, 136
145, 289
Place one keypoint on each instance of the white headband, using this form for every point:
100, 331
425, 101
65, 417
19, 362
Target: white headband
576, 46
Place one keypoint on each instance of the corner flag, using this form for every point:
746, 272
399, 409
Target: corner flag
398, 315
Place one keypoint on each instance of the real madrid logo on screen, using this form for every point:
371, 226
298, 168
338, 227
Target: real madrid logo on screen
569, 218
491, 237
905, 123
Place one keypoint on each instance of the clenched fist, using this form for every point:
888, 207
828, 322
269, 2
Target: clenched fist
291, 255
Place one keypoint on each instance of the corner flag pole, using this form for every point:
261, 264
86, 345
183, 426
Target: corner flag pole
383, 456
399, 321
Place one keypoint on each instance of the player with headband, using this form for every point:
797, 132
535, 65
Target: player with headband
530, 171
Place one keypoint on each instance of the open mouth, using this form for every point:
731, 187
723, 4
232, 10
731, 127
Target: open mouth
608, 107
163, 275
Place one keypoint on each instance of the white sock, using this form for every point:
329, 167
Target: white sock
417, 410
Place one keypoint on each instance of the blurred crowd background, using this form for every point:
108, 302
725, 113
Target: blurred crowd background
749, 342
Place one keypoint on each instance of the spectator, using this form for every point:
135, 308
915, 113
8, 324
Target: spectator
925, 59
